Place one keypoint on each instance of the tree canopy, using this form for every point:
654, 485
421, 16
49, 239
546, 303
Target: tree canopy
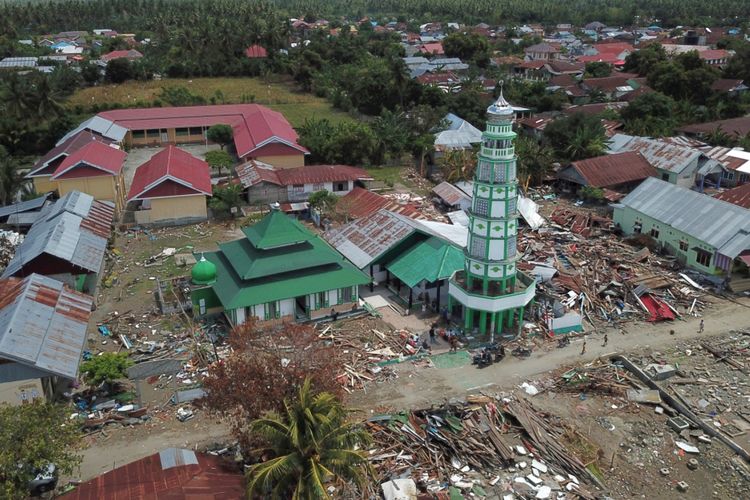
33, 436
221, 134
576, 137
310, 443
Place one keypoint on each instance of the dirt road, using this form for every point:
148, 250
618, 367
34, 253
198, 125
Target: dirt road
129, 444
417, 387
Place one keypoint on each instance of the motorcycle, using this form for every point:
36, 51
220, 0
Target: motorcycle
521, 352
493, 353
563, 342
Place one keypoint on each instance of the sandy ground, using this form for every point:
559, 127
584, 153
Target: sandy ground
419, 387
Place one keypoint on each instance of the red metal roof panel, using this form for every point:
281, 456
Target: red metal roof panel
94, 154
739, 196
171, 165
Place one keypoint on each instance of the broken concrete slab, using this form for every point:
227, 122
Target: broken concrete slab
644, 396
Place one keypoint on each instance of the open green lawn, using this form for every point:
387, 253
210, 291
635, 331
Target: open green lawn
296, 106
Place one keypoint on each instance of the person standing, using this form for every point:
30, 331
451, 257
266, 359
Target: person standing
583, 349
605, 340
432, 333
700, 328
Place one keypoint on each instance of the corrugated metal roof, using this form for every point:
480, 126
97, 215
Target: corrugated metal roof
364, 240
361, 203
75, 228
460, 134
24, 206
450, 194
739, 196
610, 170
175, 474
43, 324
100, 125
660, 154
717, 223
430, 260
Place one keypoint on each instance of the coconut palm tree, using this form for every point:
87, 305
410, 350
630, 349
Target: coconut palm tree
310, 444
534, 161
10, 179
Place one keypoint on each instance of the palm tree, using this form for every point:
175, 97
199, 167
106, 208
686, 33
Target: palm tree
458, 165
311, 444
587, 142
534, 161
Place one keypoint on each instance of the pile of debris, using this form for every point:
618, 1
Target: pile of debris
9, 240
601, 279
367, 346
488, 445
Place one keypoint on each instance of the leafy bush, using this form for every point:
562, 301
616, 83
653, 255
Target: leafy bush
106, 367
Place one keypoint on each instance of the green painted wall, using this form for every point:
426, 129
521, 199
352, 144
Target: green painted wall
627, 218
206, 293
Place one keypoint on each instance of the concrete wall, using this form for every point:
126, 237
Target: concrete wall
669, 237
183, 208
103, 188
44, 184
308, 189
282, 161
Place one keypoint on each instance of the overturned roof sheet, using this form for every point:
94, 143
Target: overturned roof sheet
74, 229
450, 194
719, 224
43, 324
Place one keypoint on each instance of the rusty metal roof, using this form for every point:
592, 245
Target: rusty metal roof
450, 194
75, 228
660, 154
739, 196
610, 170
364, 240
43, 324
173, 473
360, 203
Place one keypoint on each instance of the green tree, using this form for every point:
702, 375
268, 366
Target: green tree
650, 114
469, 47
181, 96
106, 368
33, 436
310, 444
590, 193
90, 73
642, 61
10, 179
118, 71
598, 69
226, 198
323, 201
576, 137
219, 159
458, 165
534, 161
391, 135
220, 134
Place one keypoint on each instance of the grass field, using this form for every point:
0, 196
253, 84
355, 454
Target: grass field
295, 106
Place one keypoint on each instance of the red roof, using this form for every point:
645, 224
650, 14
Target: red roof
613, 48
361, 203
254, 125
256, 52
432, 48
612, 170
93, 159
605, 58
739, 196
171, 172
45, 165
253, 173
172, 474
536, 64
446, 77
122, 54
713, 54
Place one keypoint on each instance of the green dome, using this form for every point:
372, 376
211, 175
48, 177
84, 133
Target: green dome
203, 272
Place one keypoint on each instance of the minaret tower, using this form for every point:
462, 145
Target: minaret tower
491, 291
